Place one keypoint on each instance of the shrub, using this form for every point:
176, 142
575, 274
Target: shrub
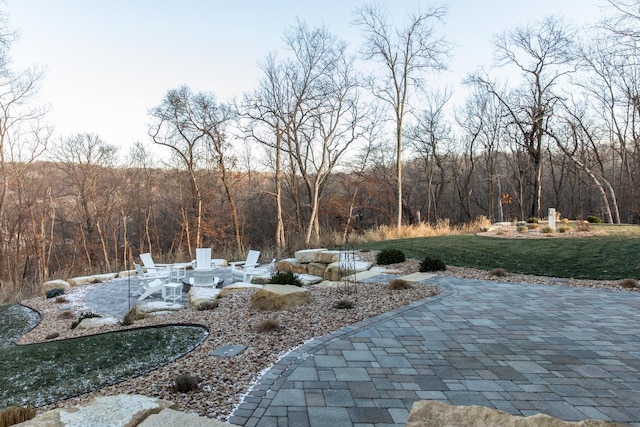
563, 229
628, 283
83, 315
532, 226
55, 292
523, 229
592, 219
343, 305
268, 325
67, 314
431, 264
498, 272
583, 226
61, 299
399, 285
532, 220
565, 220
390, 256
184, 383
547, 230
208, 305
285, 278
12, 415
128, 319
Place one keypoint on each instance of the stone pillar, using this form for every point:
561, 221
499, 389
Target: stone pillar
552, 218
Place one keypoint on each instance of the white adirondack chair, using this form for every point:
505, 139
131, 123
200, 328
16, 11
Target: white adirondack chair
239, 268
203, 274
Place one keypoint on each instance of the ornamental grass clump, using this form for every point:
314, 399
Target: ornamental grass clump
185, 383
431, 264
399, 285
498, 272
15, 414
268, 325
208, 305
343, 304
627, 283
547, 230
390, 256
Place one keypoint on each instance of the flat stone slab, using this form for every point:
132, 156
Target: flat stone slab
385, 270
363, 275
327, 257
418, 277
96, 322
237, 287
155, 306
104, 277
326, 284
306, 256
227, 350
170, 417
119, 410
309, 279
279, 297
65, 307
81, 280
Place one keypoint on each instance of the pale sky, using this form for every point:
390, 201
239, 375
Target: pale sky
107, 62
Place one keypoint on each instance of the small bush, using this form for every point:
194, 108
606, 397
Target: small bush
532, 226
565, 220
184, 383
498, 272
52, 335
431, 264
285, 278
583, 226
343, 305
61, 299
563, 229
532, 220
547, 230
55, 292
523, 229
14, 415
268, 325
628, 283
208, 305
592, 219
83, 315
390, 256
128, 319
399, 285
67, 314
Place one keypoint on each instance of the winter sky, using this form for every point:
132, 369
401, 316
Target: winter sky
108, 62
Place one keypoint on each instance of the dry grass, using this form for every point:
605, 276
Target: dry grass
399, 285
627, 283
498, 272
14, 415
268, 325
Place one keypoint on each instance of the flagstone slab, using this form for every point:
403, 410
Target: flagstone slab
418, 277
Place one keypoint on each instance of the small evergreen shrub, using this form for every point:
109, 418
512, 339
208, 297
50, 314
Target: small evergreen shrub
12, 415
208, 305
431, 264
498, 272
83, 315
184, 383
628, 283
592, 219
268, 325
390, 256
532, 220
343, 305
55, 292
399, 285
285, 278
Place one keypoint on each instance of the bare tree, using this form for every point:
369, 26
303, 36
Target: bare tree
406, 55
543, 53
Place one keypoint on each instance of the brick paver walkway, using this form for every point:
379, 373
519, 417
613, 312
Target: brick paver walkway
572, 353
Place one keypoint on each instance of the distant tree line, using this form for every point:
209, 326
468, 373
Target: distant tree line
321, 149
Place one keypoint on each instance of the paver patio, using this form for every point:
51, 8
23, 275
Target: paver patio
572, 353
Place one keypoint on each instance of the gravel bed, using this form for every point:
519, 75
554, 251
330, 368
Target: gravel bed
224, 381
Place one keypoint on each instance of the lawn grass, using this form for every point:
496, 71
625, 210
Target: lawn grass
39, 374
610, 257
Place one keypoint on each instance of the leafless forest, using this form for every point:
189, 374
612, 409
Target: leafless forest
320, 149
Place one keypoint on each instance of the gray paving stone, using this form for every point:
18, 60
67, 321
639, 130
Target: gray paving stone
569, 352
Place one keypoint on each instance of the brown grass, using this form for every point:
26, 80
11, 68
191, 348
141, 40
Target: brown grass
399, 285
268, 325
498, 272
14, 415
627, 283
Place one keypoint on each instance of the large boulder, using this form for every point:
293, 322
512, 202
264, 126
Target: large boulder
336, 270
306, 256
55, 284
237, 287
200, 294
291, 265
327, 257
96, 322
120, 410
170, 417
279, 297
316, 268
154, 308
427, 413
